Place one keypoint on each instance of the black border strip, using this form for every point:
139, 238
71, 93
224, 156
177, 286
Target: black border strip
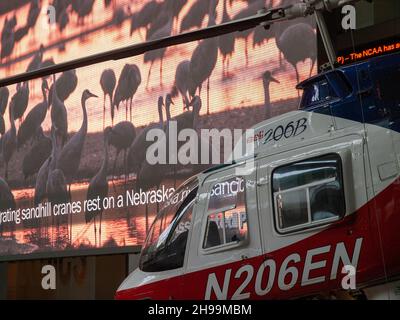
71, 253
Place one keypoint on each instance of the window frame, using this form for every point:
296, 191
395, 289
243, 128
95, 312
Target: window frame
227, 245
310, 224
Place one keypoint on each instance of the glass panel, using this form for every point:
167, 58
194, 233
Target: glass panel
214, 231
224, 194
326, 201
235, 226
292, 208
227, 220
305, 172
308, 191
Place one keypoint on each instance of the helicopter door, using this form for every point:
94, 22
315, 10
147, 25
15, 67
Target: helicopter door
314, 213
384, 151
226, 240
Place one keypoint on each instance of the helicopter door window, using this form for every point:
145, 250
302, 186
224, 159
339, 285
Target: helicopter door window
316, 93
308, 193
227, 218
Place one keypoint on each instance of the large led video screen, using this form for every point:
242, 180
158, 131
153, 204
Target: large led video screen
73, 170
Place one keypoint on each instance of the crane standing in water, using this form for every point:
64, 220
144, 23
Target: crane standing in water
7, 200
71, 153
297, 44
158, 54
136, 152
121, 137
19, 101
196, 14
226, 44
58, 114
204, 58
128, 83
107, 83
9, 142
70, 156
34, 119
4, 95
183, 82
65, 85
98, 187
267, 79
37, 155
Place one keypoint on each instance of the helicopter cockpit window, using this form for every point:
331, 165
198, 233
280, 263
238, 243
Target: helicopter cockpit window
317, 92
226, 218
165, 244
308, 193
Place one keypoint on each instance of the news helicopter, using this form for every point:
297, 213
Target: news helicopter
312, 211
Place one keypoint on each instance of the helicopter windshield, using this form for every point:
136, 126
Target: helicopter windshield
165, 244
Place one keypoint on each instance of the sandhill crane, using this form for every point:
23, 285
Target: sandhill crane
121, 137
43, 174
145, 15
297, 43
226, 44
8, 38
33, 14
128, 83
262, 35
4, 95
137, 150
83, 8
9, 141
196, 14
251, 9
48, 63
19, 34
58, 114
204, 58
34, 119
65, 85
175, 6
267, 79
183, 82
37, 155
19, 101
61, 9
98, 187
188, 119
9, 24
70, 155
2, 125
7, 200
56, 186
158, 54
107, 83
63, 20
